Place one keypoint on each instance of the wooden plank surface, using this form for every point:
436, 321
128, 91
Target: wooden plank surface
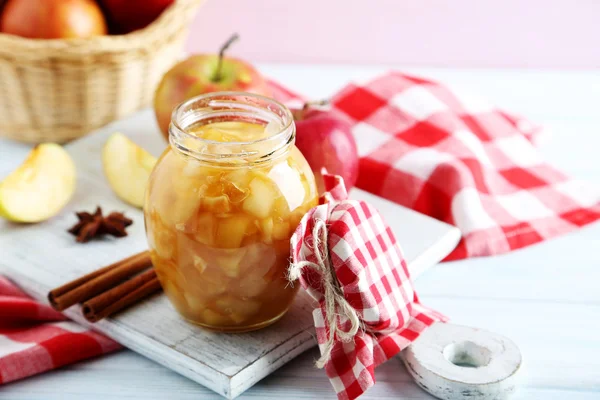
545, 297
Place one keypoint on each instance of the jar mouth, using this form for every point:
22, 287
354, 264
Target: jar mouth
231, 107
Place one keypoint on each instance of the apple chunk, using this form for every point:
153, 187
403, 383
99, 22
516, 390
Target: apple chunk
127, 167
40, 187
261, 198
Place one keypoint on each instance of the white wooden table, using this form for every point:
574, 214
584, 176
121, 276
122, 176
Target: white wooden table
546, 298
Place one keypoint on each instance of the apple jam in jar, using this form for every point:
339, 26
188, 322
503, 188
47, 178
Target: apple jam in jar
221, 205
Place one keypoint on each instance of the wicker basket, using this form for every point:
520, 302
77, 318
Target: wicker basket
57, 90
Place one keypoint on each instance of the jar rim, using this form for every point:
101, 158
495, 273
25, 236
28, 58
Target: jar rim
233, 104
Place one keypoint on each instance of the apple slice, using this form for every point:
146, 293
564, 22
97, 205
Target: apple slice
127, 167
40, 187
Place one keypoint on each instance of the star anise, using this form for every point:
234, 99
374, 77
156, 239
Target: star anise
93, 225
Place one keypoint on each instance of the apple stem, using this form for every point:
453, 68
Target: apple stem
299, 114
224, 48
315, 104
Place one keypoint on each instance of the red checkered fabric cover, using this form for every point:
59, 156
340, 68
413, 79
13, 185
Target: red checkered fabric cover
374, 280
34, 338
451, 155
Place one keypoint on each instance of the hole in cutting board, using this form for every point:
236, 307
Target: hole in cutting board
467, 354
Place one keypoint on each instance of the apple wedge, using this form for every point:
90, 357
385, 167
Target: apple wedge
40, 187
127, 167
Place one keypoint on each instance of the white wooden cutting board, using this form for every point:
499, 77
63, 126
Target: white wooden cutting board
43, 256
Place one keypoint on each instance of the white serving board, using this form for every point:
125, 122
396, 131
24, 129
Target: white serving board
42, 256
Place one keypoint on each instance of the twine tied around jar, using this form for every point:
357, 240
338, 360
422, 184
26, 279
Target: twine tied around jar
335, 302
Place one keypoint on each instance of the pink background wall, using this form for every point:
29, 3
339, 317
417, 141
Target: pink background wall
471, 33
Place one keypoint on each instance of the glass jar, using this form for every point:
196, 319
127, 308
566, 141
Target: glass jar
221, 205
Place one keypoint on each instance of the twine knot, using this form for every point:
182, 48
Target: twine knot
336, 304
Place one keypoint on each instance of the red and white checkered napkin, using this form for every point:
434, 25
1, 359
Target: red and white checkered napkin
34, 338
451, 155
343, 248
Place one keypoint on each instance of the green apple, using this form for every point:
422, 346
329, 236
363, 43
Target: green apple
40, 187
127, 167
204, 73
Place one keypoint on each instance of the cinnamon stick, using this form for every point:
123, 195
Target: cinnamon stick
96, 282
121, 296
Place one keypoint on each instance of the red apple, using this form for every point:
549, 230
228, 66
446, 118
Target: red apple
327, 142
44, 19
130, 15
204, 73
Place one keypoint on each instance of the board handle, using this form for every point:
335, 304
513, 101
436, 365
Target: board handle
454, 362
